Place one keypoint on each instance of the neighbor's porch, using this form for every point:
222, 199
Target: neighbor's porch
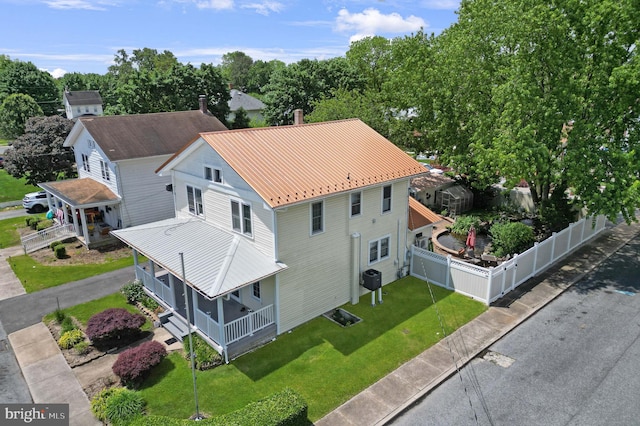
232, 324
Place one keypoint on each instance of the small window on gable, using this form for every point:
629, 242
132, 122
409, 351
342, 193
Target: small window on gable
356, 203
256, 290
386, 198
212, 174
317, 219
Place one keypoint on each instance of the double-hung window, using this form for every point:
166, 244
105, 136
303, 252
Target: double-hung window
104, 168
379, 249
194, 199
256, 290
356, 203
85, 163
241, 217
386, 198
317, 217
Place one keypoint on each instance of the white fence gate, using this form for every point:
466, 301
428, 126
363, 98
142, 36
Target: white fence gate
490, 284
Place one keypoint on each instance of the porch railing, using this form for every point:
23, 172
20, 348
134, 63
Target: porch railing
45, 237
155, 285
208, 325
249, 324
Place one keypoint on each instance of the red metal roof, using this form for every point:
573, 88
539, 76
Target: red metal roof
420, 215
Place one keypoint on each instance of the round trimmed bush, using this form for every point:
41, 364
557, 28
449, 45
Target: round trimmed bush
511, 238
114, 324
133, 364
70, 338
133, 291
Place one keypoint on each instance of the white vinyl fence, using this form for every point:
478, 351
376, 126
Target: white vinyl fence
490, 284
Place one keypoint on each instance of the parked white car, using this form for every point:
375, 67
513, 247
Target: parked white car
35, 201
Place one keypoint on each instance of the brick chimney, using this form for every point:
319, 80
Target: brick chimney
202, 99
298, 117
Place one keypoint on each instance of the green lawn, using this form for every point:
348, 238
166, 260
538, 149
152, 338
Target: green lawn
35, 276
12, 189
325, 363
9, 235
84, 311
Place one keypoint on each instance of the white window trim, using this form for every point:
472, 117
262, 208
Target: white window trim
382, 199
241, 204
322, 227
379, 242
214, 171
195, 201
104, 169
238, 297
351, 204
253, 294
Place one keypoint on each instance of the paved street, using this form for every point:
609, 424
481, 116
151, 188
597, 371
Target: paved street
573, 363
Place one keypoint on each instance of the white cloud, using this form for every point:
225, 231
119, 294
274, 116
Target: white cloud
56, 73
214, 4
80, 4
371, 22
264, 8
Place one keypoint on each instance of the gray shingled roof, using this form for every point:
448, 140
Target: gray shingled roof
124, 137
83, 97
242, 100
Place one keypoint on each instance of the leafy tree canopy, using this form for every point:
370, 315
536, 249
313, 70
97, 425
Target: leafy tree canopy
38, 155
25, 78
235, 68
15, 110
542, 91
241, 119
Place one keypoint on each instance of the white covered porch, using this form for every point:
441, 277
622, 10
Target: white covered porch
230, 285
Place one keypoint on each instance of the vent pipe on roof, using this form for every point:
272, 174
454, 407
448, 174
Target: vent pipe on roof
202, 99
298, 117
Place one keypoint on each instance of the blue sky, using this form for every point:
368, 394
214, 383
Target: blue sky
83, 35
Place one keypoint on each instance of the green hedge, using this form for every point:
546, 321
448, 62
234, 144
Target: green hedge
285, 408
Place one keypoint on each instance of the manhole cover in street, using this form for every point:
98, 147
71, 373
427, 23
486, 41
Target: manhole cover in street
498, 359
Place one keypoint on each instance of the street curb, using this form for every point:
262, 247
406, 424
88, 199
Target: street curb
468, 358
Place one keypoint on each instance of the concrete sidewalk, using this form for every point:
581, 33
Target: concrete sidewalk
10, 285
390, 396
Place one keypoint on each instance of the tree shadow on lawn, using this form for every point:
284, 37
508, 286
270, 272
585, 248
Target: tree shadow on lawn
402, 300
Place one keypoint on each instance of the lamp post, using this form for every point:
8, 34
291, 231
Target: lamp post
191, 355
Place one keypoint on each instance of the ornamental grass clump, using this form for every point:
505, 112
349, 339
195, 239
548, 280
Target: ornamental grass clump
117, 406
134, 364
113, 325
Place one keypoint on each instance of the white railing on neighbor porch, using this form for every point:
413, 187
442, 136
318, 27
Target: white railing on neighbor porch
45, 237
208, 325
490, 284
249, 324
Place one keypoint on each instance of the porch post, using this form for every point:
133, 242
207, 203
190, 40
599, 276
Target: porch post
223, 338
172, 291
85, 229
135, 262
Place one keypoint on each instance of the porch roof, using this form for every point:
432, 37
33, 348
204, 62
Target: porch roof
81, 193
216, 262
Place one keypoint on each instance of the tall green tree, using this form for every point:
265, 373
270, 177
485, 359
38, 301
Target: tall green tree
39, 155
15, 110
301, 84
260, 73
235, 68
241, 119
26, 78
544, 91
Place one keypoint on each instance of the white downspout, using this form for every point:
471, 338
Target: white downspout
355, 268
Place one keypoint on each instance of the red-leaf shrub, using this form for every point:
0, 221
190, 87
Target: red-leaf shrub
133, 364
113, 324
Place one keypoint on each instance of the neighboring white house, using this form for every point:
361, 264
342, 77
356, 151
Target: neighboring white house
116, 157
421, 223
275, 226
251, 105
82, 102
